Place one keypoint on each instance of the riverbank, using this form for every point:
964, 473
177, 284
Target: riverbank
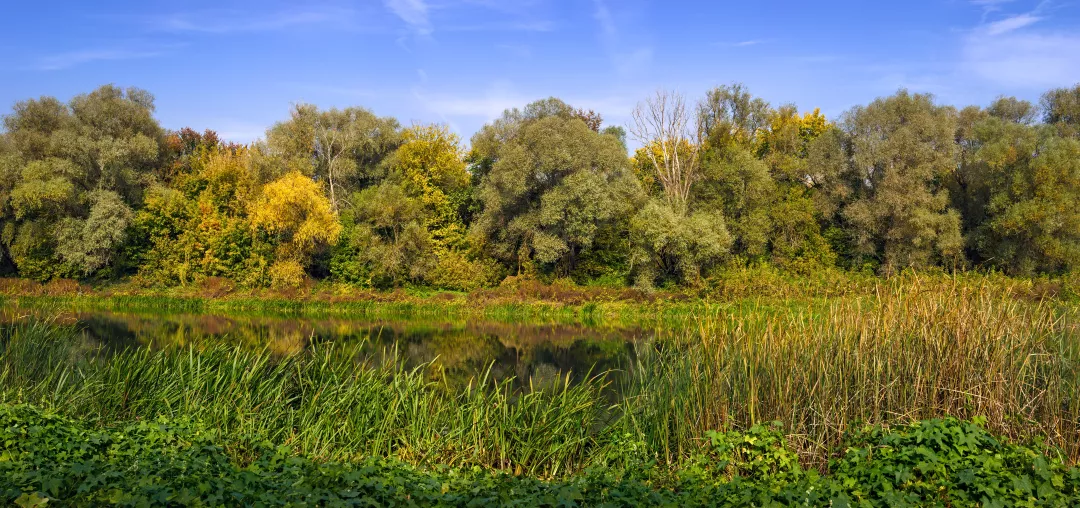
531, 299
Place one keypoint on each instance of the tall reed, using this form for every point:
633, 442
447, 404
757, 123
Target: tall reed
908, 353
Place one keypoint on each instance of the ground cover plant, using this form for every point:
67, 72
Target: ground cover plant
49, 459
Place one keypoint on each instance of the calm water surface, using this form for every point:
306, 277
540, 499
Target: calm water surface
458, 349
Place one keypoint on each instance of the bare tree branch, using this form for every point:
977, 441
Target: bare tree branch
662, 125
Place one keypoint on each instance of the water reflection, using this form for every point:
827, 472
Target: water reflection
458, 350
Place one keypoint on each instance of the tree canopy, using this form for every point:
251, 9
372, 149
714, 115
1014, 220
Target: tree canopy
94, 188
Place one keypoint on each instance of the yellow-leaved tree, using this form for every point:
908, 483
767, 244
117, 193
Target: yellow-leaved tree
294, 211
432, 166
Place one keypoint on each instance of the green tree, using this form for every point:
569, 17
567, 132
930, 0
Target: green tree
903, 152
1061, 108
668, 245
739, 186
385, 242
731, 115
550, 184
1027, 181
795, 223
74, 174
342, 149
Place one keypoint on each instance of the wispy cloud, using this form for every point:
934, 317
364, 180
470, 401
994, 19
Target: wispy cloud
68, 59
1011, 23
486, 106
231, 21
625, 61
507, 26
744, 44
990, 6
603, 18
1015, 51
413, 12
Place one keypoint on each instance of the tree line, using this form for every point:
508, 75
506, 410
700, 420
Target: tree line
96, 189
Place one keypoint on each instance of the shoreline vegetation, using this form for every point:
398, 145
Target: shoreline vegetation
692, 423
525, 297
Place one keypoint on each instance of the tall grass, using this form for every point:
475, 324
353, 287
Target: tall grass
328, 403
908, 352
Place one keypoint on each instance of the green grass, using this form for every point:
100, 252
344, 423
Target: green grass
328, 402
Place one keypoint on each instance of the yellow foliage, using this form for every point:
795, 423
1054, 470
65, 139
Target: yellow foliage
294, 209
646, 171
812, 125
224, 177
789, 134
286, 274
432, 163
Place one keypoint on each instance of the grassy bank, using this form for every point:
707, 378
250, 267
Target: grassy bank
530, 300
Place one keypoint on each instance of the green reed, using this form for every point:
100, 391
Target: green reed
327, 402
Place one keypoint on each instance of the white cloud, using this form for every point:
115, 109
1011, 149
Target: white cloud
226, 22
603, 17
1013, 52
507, 26
72, 58
1011, 24
1025, 60
743, 44
412, 12
989, 6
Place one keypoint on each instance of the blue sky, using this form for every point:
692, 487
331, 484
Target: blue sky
237, 66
